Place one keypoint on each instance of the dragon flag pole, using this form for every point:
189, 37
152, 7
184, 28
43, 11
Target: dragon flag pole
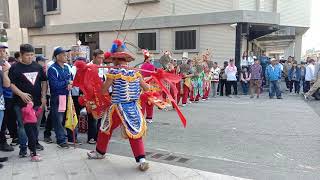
124, 15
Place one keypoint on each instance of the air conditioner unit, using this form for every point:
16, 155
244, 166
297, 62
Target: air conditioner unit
4, 25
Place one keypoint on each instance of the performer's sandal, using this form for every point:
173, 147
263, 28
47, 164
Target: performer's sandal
144, 166
95, 155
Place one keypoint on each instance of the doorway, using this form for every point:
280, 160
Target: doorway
90, 39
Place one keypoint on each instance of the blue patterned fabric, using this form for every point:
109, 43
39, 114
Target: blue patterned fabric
122, 90
132, 116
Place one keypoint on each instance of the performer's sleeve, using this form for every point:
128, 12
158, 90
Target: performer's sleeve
144, 85
106, 85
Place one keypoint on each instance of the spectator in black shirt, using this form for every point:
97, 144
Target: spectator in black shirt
28, 82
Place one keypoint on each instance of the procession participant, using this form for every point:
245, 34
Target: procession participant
167, 65
126, 85
184, 87
197, 80
207, 65
146, 105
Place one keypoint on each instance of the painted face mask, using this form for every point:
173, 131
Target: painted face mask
184, 61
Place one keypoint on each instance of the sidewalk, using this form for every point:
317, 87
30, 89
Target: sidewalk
61, 164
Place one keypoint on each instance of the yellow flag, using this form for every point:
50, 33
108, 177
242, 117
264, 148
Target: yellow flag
71, 119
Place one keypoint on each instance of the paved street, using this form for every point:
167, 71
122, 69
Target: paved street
242, 137
73, 164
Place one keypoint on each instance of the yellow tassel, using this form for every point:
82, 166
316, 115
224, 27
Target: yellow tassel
112, 109
136, 76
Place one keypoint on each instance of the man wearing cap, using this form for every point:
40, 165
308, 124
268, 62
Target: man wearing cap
29, 84
273, 75
60, 83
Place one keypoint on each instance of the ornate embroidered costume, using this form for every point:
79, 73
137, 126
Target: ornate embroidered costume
125, 96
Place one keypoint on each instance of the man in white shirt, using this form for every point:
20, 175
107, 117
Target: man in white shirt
94, 124
310, 75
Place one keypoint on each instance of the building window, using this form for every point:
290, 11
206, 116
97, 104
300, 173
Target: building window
186, 40
51, 6
147, 40
39, 51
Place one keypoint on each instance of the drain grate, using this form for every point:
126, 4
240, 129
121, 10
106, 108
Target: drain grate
157, 156
183, 160
148, 153
167, 157
171, 158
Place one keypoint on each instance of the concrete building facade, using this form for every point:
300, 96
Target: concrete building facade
228, 27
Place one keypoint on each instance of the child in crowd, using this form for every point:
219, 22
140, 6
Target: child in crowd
29, 117
245, 80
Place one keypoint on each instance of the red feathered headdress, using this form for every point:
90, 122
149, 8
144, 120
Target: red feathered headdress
146, 54
107, 58
118, 50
